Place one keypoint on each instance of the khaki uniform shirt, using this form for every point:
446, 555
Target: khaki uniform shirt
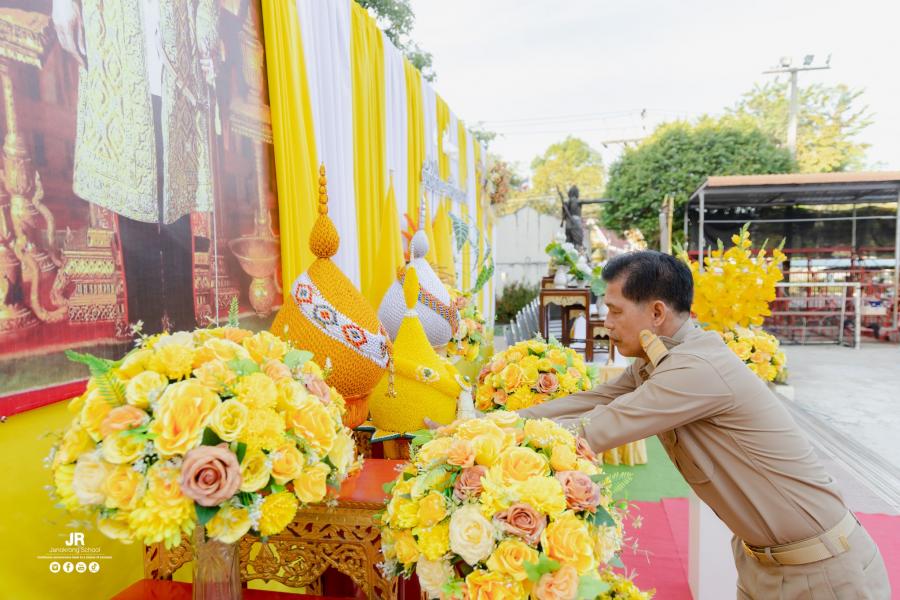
730, 437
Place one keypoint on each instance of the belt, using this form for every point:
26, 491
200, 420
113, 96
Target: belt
831, 543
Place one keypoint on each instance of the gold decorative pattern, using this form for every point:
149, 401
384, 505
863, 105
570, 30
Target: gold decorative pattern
345, 538
562, 300
24, 36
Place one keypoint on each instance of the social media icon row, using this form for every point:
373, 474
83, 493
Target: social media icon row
78, 567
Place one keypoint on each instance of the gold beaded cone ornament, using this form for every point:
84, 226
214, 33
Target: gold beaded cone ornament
424, 384
330, 317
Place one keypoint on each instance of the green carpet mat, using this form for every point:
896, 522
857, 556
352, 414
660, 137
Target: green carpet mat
656, 480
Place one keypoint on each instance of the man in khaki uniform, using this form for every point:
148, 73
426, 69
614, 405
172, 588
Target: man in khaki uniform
729, 436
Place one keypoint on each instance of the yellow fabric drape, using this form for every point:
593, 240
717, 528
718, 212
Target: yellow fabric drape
443, 231
390, 248
367, 74
415, 121
479, 214
296, 165
463, 184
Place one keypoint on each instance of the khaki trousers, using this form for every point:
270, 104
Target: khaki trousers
857, 574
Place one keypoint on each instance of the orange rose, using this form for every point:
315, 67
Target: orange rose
490, 585
210, 475
581, 492
559, 585
461, 453
277, 370
568, 541
122, 418
547, 383
523, 521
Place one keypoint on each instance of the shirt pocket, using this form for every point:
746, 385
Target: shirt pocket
694, 470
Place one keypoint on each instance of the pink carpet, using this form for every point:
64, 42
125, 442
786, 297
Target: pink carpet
660, 560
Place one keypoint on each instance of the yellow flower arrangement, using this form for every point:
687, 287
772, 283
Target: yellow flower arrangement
507, 524
472, 330
732, 297
758, 349
222, 427
529, 373
736, 285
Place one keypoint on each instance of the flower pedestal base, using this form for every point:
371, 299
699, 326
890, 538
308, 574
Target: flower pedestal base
217, 569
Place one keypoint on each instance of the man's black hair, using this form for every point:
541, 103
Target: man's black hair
651, 275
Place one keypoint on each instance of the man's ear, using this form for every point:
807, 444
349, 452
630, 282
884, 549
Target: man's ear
660, 312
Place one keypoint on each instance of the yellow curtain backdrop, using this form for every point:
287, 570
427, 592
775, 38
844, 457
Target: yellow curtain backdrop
443, 231
367, 73
390, 248
479, 214
293, 135
415, 121
464, 185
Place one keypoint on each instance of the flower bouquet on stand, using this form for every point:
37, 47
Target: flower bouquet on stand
471, 336
216, 433
564, 255
532, 372
504, 508
758, 349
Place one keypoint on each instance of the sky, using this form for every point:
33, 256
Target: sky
539, 70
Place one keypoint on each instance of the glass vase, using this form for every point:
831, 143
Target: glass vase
217, 568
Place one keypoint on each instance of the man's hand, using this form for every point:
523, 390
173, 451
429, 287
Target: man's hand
67, 21
431, 424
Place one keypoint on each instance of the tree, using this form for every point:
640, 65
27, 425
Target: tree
828, 122
396, 18
676, 159
563, 164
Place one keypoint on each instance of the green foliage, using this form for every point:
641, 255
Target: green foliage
396, 18
110, 387
828, 122
544, 564
590, 587
233, 310
205, 513
676, 159
513, 298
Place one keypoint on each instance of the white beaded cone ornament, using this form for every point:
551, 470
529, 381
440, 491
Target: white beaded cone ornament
436, 310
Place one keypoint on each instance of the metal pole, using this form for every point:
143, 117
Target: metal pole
853, 234
792, 119
687, 221
843, 316
700, 240
897, 266
857, 297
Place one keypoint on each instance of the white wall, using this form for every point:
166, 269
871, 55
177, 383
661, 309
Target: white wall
519, 242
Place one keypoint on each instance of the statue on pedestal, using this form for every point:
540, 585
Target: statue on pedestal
571, 218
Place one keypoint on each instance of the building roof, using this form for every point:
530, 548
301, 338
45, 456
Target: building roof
800, 188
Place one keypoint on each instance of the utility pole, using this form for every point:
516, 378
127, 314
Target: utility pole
784, 66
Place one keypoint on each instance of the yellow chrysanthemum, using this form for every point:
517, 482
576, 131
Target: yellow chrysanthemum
277, 511
164, 513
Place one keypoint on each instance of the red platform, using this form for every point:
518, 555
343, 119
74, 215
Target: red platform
158, 589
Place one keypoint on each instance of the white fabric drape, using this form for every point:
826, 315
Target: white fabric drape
396, 125
325, 27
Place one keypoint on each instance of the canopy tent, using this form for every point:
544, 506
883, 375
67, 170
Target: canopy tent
754, 196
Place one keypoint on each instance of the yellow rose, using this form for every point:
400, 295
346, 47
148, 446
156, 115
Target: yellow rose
403, 512
540, 432
75, 442
587, 467
469, 430
405, 547
228, 419
255, 471
145, 388
311, 421
471, 535
563, 458
557, 356
172, 360
276, 512
89, 478
264, 346
94, 412
257, 391
491, 585
120, 448
433, 574
742, 349
511, 377
432, 509
116, 526
343, 452
229, 524
543, 493
287, 463
503, 418
510, 558
63, 477
488, 448
568, 541
224, 350
433, 542
123, 487
522, 398
134, 363
520, 464
514, 355
215, 374
545, 365
434, 452
310, 485
181, 415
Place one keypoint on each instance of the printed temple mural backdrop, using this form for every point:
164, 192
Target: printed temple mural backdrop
137, 180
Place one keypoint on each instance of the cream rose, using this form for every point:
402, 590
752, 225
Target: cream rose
471, 535
90, 476
433, 574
